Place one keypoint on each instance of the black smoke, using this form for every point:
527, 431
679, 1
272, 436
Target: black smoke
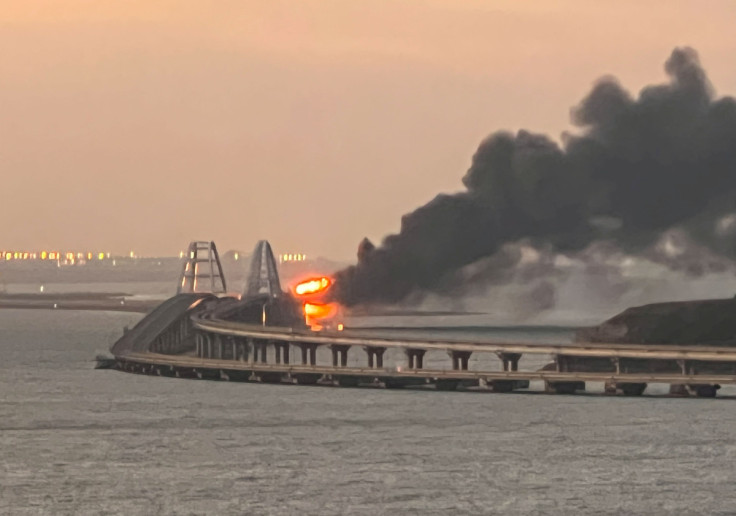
637, 170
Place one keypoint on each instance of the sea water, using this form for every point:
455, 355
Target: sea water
75, 440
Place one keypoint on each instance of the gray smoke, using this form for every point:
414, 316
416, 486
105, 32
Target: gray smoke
640, 169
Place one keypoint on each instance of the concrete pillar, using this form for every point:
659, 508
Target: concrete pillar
510, 360
285, 351
277, 352
460, 359
379, 357
305, 353
339, 354
313, 355
334, 357
250, 350
370, 353
416, 358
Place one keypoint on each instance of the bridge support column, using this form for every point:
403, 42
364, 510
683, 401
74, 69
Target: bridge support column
281, 349
308, 351
375, 356
277, 352
250, 350
460, 359
510, 361
339, 355
305, 353
260, 351
263, 344
245, 348
416, 357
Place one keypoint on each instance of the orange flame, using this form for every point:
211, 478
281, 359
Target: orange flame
319, 310
312, 286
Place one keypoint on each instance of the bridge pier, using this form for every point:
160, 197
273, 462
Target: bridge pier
203, 345
416, 357
510, 361
260, 351
339, 354
197, 346
281, 350
460, 359
219, 346
375, 356
308, 352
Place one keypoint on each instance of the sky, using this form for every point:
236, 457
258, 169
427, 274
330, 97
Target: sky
142, 125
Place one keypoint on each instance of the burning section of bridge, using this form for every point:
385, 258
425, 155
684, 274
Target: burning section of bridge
319, 313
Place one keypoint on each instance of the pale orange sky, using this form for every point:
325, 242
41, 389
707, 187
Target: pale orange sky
312, 123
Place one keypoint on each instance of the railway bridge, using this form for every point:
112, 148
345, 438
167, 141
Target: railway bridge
210, 334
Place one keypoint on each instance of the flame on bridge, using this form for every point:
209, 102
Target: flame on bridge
317, 312
320, 310
312, 286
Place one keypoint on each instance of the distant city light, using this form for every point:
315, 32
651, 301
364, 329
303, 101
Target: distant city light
292, 257
64, 258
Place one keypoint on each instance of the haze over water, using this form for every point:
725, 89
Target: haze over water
76, 440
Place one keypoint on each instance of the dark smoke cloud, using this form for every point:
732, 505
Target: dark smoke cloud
638, 168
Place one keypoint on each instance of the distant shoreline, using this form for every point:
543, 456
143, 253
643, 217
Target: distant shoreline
102, 301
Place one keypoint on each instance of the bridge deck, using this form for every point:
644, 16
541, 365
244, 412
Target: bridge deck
183, 361
646, 351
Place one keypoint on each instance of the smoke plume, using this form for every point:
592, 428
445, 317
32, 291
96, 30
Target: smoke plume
652, 176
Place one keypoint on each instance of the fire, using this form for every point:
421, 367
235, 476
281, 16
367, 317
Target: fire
320, 310
318, 314
312, 286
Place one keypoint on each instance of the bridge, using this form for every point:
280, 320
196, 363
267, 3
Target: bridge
244, 352
208, 334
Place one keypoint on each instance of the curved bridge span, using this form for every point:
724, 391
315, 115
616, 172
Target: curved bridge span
211, 334
213, 348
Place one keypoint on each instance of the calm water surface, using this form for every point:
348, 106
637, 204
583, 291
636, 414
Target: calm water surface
75, 440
